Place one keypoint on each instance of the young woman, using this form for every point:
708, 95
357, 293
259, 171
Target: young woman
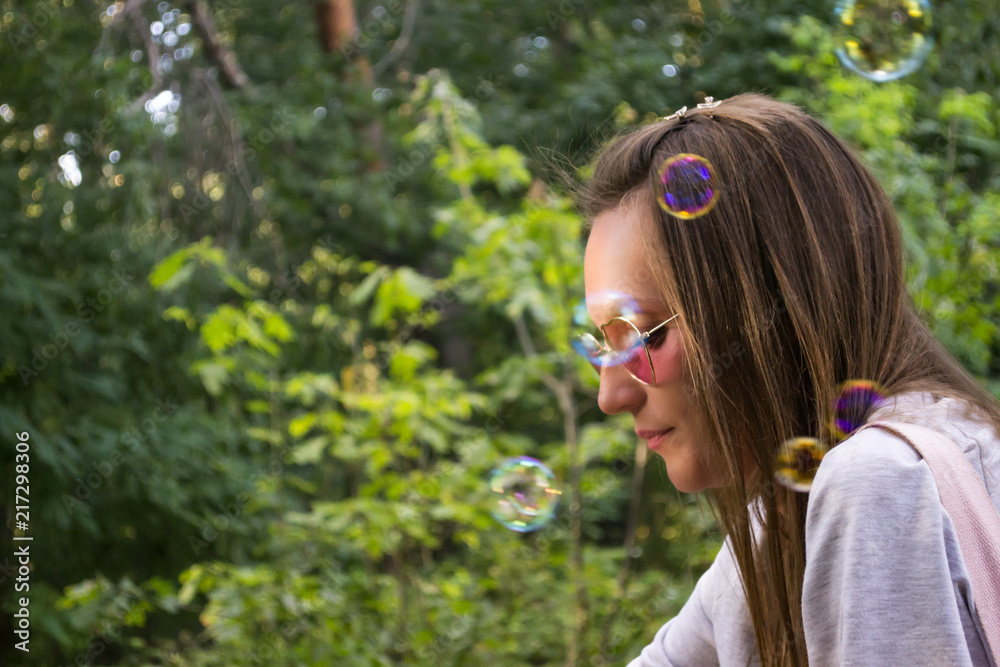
787, 282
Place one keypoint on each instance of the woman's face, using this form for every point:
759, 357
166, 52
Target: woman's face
615, 262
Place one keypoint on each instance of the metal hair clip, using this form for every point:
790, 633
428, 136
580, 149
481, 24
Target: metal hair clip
709, 103
677, 114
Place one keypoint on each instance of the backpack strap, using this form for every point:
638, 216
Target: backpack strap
976, 520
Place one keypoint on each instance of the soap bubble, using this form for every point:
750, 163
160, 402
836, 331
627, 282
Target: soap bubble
798, 460
689, 186
855, 400
883, 40
587, 340
525, 494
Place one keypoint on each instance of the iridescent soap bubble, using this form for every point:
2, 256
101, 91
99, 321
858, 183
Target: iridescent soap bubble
855, 401
525, 494
798, 460
883, 40
690, 188
587, 340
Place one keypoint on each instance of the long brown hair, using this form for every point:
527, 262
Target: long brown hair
792, 284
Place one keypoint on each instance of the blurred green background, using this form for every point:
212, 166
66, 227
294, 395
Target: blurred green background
280, 284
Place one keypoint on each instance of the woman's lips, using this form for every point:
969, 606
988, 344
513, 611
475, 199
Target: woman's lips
654, 437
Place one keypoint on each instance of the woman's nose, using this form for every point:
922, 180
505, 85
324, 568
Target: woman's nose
619, 391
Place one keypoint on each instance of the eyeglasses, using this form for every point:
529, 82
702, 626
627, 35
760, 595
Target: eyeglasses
624, 345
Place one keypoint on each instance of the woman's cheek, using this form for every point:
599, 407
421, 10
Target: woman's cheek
668, 359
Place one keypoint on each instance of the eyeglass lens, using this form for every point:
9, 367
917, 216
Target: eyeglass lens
626, 350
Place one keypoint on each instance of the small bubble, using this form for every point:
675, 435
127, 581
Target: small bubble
638, 25
541, 42
156, 27
319, 112
797, 462
855, 401
521, 69
114, 156
669, 71
525, 494
676, 40
690, 188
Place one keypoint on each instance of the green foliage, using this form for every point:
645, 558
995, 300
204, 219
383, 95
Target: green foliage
269, 358
935, 152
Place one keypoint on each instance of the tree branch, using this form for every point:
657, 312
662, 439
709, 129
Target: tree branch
215, 50
524, 337
409, 19
133, 10
638, 476
236, 140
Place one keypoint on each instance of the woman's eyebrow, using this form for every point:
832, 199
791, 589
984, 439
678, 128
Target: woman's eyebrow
622, 304
632, 315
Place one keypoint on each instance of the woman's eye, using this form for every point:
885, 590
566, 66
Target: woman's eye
657, 337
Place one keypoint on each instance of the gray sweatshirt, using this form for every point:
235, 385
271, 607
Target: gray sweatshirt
885, 583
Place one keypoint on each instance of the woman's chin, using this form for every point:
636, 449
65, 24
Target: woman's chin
684, 483
685, 477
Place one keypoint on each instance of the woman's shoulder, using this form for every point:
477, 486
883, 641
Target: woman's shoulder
866, 467
872, 452
874, 462
884, 580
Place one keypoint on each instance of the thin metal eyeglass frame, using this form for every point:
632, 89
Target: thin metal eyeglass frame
643, 337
